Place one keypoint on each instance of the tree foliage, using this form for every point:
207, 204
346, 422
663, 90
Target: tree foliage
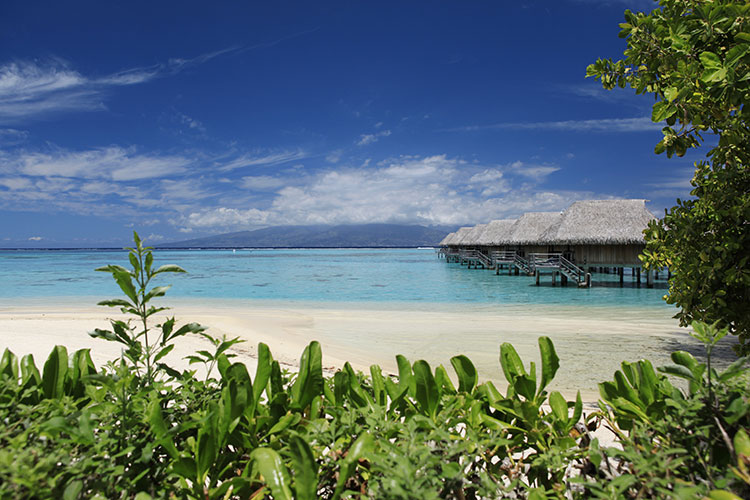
694, 57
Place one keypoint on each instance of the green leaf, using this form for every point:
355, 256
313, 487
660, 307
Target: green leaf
405, 377
157, 291
363, 446
125, 282
163, 352
274, 473
511, 362
9, 365
443, 382
262, 373
115, 303
427, 393
305, 469
55, 368
662, 110
309, 382
169, 268
378, 385
710, 60
467, 373
559, 406
550, 361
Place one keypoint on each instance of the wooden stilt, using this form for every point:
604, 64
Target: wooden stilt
650, 278
621, 272
536, 274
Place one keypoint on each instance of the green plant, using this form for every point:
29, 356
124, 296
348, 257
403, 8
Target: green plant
142, 352
693, 56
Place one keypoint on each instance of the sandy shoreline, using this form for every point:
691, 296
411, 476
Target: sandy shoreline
591, 342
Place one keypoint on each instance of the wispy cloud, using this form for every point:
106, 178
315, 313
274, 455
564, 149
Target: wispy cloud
262, 159
113, 163
366, 139
36, 89
641, 124
12, 137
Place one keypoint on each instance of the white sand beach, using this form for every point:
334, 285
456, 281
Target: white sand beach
591, 342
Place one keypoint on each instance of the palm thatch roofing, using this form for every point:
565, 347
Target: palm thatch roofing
472, 236
530, 227
495, 232
459, 235
445, 241
600, 222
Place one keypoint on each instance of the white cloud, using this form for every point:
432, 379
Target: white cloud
426, 190
532, 171
267, 159
334, 156
641, 124
36, 238
366, 139
113, 163
30, 89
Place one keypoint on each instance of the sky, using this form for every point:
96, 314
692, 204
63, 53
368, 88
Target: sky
186, 119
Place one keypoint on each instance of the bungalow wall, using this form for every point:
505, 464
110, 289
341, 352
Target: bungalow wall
604, 255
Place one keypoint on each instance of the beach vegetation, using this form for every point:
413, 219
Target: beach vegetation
693, 56
72, 430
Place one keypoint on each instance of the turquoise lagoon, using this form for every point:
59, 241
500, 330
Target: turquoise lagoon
409, 277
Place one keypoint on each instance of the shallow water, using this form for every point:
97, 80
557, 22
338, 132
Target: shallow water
405, 276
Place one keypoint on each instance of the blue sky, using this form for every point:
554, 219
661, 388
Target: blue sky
183, 119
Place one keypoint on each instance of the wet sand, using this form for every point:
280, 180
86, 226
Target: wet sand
591, 342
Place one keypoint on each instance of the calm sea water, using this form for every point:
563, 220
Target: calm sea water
410, 276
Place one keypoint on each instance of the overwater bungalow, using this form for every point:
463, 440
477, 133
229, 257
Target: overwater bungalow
571, 244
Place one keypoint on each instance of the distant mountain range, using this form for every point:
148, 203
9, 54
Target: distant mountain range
363, 235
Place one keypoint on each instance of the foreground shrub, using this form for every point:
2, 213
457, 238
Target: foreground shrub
138, 428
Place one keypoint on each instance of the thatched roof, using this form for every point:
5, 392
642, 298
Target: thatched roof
445, 241
473, 235
459, 236
601, 222
530, 227
495, 232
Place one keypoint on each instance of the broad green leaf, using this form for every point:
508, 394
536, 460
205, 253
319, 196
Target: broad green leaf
207, 448
262, 373
467, 373
29, 372
309, 382
285, 422
274, 473
9, 365
427, 393
55, 369
378, 385
662, 110
443, 381
510, 362
710, 60
405, 377
159, 427
125, 282
742, 444
305, 469
559, 407
550, 361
